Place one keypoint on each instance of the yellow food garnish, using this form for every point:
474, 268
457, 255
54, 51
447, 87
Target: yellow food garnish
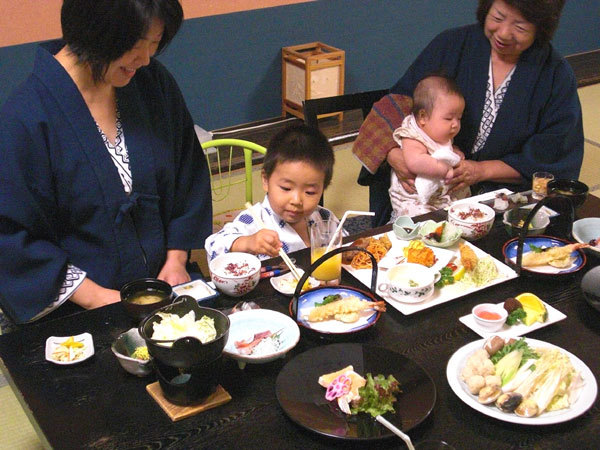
141, 353
412, 244
534, 308
72, 343
459, 273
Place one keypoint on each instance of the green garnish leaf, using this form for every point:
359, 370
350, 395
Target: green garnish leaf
329, 299
516, 316
446, 277
535, 248
377, 395
528, 352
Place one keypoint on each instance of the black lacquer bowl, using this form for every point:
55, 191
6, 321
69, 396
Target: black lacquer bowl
154, 287
186, 352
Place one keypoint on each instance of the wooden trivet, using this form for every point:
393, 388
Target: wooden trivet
177, 412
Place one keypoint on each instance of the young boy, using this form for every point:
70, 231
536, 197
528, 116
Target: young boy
426, 141
296, 170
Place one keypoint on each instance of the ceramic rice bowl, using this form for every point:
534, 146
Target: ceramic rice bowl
235, 273
475, 220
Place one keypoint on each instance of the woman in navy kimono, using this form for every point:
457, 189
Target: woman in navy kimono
102, 178
522, 109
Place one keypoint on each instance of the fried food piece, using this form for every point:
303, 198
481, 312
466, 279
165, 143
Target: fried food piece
346, 310
548, 256
423, 256
347, 257
385, 240
377, 247
468, 258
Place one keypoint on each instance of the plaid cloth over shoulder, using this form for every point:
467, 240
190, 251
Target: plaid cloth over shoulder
374, 138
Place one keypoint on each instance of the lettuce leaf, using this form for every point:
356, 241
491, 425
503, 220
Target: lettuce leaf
377, 395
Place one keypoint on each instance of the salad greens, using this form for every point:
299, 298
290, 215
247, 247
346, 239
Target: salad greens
446, 277
517, 315
377, 395
528, 352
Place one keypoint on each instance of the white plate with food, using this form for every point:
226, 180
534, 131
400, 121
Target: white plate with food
286, 283
443, 294
66, 350
199, 289
259, 336
585, 398
519, 329
546, 255
355, 310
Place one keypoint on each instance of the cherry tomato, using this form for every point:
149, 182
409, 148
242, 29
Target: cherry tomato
451, 266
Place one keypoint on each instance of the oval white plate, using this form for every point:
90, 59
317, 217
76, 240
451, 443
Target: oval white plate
54, 341
245, 324
586, 399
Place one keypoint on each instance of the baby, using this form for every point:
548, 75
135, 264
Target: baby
296, 170
426, 141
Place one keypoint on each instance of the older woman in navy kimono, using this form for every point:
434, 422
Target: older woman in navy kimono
102, 177
522, 110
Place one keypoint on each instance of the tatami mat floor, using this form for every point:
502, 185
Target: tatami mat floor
16, 431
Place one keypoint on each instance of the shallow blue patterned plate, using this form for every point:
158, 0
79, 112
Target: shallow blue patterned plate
509, 250
307, 301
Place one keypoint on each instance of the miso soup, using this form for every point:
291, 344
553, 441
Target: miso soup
146, 298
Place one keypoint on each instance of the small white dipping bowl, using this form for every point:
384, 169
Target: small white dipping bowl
463, 215
409, 283
235, 273
490, 325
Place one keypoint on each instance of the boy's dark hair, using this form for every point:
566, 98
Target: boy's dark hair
544, 14
427, 89
299, 142
99, 32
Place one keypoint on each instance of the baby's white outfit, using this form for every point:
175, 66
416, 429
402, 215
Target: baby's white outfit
432, 194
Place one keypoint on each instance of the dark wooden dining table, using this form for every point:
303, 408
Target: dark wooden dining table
96, 404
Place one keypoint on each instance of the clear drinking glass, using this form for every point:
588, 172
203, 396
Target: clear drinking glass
321, 233
539, 184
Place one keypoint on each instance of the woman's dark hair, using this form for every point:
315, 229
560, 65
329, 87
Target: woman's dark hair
427, 90
299, 142
544, 14
99, 32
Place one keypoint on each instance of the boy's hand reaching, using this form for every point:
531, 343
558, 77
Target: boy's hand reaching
264, 242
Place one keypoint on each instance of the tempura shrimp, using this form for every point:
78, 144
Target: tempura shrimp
550, 255
345, 310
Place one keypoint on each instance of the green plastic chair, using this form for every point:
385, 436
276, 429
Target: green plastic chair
222, 164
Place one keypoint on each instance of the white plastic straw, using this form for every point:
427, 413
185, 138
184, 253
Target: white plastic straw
405, 437
283, 254
341, 224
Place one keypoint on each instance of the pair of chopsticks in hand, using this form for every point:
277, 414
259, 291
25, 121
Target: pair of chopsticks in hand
286, 259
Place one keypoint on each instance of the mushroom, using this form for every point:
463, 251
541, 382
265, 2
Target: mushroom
509, 401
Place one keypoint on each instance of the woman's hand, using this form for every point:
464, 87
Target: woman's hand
265, 242
174, 271
466, 174
395, 158
90, 295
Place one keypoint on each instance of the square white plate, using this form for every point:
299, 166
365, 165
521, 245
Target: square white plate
198, 289
554, 315
54, 341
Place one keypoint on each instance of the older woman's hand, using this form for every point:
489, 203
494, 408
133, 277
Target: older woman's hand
395, 158
466, 174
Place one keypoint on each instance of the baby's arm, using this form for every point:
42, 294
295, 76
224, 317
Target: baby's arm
422, 163
263, 242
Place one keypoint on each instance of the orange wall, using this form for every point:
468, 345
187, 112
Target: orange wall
23, 21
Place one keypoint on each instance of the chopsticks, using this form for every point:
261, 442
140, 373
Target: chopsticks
286, 259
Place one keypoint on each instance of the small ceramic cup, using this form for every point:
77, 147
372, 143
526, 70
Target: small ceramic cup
409, 283
489, 316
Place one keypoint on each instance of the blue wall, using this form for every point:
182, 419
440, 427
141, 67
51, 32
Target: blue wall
229, 66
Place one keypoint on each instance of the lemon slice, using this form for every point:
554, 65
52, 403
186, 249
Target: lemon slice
534, 308
459, 273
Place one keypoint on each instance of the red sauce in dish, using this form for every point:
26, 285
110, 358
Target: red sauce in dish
488, 315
